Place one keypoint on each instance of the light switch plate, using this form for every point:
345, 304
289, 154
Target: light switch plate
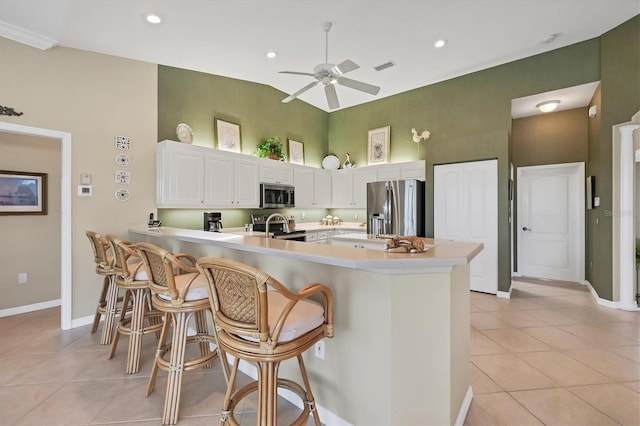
123, 142
123, 176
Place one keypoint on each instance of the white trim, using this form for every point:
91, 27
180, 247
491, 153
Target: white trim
580, 249
80, 322
29, 308
623, 214
504, 294
66, 284
516, 275
608, 303
464, 407
27, 37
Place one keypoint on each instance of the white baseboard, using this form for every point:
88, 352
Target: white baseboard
79, 322
608, 303
504, 294
464, 407
30, 308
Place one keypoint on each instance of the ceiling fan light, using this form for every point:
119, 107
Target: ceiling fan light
333, 80
548, 106
271, 54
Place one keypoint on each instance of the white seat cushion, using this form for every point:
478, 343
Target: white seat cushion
304, 317
197, 291
136, 268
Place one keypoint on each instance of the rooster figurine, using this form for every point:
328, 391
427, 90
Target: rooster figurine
420, 137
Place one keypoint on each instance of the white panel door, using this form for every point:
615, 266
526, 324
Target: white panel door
549, 225
466, 209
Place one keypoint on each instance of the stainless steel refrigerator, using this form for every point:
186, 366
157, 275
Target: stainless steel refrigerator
395, 207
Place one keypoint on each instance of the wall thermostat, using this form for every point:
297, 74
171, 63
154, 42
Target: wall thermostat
85, 191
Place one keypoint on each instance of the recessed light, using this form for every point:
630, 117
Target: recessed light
153, 18
548, 106
440, 43
550, 38
271, 54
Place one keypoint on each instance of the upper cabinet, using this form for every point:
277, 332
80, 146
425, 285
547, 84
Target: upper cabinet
272, 171
190, 176
396, 171
313, 187
349, 187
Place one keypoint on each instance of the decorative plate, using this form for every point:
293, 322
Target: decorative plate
331, 162
122, 160
122, 194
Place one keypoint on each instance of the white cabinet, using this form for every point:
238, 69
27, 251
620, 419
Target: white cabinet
191, 176
313, 187
318, 237
349, 187
408, 170
272, 171
231, 182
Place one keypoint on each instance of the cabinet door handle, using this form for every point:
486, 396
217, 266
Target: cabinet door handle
524, 228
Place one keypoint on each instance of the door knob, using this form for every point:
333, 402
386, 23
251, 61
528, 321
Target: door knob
524, 228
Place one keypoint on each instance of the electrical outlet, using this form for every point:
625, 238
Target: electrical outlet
22, 278
123, 142
123, 176
319, 349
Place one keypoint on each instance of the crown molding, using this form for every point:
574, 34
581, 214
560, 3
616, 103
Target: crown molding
27, 37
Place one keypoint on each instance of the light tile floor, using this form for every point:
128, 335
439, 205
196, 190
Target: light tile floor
548, 355
552, 355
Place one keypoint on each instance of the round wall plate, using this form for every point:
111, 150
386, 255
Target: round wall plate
331, 162
122, 194
122, 160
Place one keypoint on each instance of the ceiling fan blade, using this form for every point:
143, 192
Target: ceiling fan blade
296, 72
332, 96
346, 66
359, 85
299, 92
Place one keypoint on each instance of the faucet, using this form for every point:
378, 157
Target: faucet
274, 215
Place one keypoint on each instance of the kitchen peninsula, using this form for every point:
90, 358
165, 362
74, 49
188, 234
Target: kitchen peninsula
400, 354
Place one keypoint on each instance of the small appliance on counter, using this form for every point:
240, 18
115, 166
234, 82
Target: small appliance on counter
277, 228
212, 221
153, 223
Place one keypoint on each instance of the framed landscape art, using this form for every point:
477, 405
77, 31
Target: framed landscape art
23, 193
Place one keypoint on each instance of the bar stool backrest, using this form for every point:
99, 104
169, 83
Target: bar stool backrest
126, 260
162, 266
101, 247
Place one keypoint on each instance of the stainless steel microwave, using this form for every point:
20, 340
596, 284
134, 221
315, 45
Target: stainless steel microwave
276, 196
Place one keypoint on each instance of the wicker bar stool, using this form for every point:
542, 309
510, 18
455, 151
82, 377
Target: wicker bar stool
108, 302
179, 291
131, 277
265, 327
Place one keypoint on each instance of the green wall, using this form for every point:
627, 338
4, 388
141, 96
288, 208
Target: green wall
197, 98
469, 118
620, 99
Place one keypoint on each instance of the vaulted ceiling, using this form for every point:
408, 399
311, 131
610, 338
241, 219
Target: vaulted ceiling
231, 37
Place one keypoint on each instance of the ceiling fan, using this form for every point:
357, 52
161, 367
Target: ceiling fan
330, 75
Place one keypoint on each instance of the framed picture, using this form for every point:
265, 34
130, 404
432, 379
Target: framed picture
378, 145
23, 193
228, 136
296, 152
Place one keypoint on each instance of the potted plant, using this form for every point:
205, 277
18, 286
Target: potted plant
271, 148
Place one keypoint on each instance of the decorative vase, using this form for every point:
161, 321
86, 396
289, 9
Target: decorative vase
274, 156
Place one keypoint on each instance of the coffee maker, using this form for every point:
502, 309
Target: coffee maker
213, 221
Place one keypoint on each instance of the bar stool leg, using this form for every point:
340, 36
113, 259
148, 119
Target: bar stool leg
102, 302
110, 314
119, 323
159, 351
136, 330
176, 368
310, 400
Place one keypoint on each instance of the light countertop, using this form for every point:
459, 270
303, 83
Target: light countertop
444, 254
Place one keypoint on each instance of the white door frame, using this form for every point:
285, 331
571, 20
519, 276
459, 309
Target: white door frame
65, 207
580, 209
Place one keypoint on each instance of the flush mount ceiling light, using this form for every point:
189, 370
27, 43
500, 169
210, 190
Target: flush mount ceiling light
548, 106
271, 54
440, 43
153, 18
